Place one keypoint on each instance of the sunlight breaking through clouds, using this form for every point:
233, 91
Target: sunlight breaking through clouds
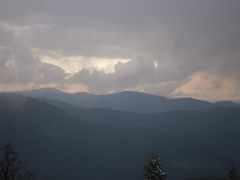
151, 46
74, 64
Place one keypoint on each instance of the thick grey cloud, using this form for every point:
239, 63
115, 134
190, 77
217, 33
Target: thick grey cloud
166, 41
19, 65
126, 75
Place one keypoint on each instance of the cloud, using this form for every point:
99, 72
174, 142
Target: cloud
165, 43
73, 64
19, 65
126, 75
207, 86
16, 65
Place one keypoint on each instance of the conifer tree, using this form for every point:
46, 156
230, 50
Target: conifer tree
232, 174
153, 169
10, 167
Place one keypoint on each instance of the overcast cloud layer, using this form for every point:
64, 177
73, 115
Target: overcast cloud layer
177, 48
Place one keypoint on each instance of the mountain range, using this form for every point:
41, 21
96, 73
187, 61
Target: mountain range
85, 136
127, 101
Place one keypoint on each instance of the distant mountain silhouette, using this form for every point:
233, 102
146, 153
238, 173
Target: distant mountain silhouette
217, 129
126, 101
227, 104
72, 143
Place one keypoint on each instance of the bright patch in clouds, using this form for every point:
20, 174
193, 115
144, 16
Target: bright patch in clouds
152, 46
74, 64
208, 86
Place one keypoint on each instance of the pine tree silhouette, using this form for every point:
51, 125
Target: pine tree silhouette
153, 169
10, 167
232, 174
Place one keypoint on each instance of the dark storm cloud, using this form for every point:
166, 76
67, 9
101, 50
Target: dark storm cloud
167, 41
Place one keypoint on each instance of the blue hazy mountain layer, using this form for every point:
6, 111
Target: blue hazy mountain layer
68, 142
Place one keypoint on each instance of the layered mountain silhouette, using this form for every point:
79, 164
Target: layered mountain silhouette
217, 129
111, 139
126, 101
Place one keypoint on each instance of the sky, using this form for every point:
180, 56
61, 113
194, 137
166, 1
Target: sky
173, 48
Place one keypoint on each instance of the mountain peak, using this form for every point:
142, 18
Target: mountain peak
41, 91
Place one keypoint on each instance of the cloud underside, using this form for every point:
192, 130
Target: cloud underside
177, 48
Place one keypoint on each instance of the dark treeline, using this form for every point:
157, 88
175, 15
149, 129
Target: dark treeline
11, 168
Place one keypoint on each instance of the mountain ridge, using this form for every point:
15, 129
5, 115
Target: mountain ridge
46, 136
126, 101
